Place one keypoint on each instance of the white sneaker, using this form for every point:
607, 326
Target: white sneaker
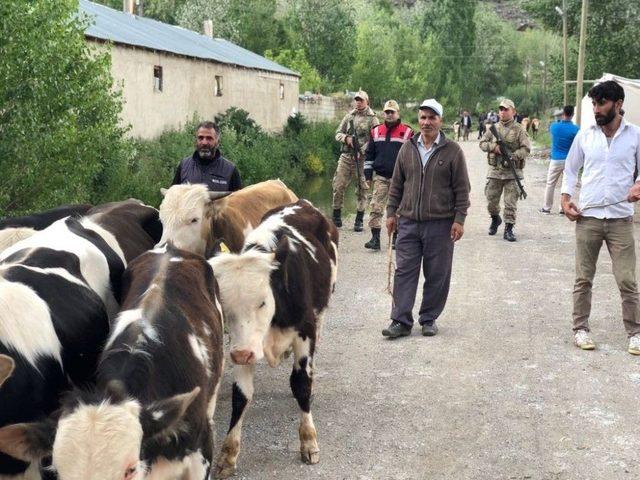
583, 341
634, 344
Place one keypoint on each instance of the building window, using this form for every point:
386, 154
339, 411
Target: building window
281, 91
157, 78
217, 89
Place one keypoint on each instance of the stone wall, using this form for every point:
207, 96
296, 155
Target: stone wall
317, 108
189, 88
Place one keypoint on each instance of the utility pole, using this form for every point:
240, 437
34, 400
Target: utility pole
544, 80
566, 53
583, 43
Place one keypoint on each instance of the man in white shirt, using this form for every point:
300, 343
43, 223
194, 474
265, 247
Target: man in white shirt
609, 153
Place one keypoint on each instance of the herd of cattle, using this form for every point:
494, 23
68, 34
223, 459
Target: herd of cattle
111, 328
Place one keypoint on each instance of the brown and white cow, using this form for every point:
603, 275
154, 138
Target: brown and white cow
151, 416
274, 295
194, 218
535, 127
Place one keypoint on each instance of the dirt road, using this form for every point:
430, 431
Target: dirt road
499, 393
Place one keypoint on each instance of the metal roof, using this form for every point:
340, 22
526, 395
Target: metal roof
119, 27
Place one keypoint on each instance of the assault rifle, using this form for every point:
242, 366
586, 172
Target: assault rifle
507, 159
356, 154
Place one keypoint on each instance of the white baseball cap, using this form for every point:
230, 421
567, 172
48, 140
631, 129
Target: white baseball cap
432, 104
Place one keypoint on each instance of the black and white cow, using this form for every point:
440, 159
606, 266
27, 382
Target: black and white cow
158, 379
274, 294
41, 220
58, 290
14, 229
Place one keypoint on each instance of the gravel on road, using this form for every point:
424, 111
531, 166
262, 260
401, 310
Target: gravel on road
500, 393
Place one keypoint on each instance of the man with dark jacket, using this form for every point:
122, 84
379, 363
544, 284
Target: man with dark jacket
206, 165
428, 203
465, 123
380, 157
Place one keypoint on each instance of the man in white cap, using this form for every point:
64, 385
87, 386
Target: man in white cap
354, 129
428, 203
380, 160
500, 175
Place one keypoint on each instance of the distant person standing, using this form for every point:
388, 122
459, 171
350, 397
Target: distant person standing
562, 134
380, 160
428, 203
354, 128
609, 154
207, 165
465, 122
500, 178
482, 118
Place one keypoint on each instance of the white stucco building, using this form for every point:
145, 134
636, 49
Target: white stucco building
169, 74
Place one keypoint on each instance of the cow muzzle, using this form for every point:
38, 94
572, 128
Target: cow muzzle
243, 357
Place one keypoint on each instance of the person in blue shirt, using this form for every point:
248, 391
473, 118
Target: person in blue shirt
562, 134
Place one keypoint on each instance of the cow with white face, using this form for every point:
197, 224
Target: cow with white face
274, 294
194, 218
59, 288
152, 413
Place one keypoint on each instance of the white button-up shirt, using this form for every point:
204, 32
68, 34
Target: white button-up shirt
425, 153
609, 170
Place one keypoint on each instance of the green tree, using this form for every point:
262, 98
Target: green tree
161, 10
259, 27
297, 61
192, 13
390, 58
496, 63
612, 33
326, 31
60, 140
375, 66
451, 25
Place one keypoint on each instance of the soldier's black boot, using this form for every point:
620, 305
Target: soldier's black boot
495, 223
508, 232
337, 218
357, 225
393, 240
374, 243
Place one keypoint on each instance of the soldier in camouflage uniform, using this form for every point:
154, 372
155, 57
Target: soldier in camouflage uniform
500, 177
358, 122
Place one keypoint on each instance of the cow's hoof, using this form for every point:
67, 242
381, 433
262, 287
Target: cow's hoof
310, 457
225, 470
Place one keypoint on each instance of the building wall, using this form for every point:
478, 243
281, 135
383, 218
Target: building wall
318, 108
188, 88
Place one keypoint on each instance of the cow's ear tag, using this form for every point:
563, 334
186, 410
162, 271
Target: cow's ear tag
224, 248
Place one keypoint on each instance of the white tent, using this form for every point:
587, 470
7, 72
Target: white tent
631, 105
